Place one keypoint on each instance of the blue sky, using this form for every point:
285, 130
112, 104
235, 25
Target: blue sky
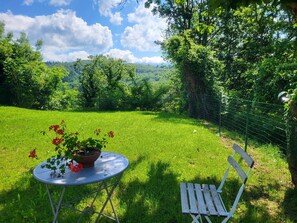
73, 29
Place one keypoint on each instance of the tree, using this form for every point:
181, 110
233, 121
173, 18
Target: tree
246, 36
198, 66
289, 5
190, 29
101, 82
90, 81
25, 80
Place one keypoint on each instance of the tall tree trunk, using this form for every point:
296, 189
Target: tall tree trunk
195, 88
292, 147
292, 6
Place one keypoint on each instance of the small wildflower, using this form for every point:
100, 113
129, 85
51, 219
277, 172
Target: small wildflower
111, 134
97, 131
33, 154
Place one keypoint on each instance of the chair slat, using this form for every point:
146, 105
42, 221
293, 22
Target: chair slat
236, 166
244, 155
193, 202
184, 198
217, 200
200, 199
209, 203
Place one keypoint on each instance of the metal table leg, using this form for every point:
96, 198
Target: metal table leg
109, 189
55, 209
108, 199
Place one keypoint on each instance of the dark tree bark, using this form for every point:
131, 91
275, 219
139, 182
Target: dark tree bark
292, 147
195, 88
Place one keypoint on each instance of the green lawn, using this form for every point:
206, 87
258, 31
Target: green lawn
163, 150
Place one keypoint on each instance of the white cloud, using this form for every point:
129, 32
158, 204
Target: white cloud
105, 8
16, 23
59, 2
152, 60
51, 2
63, 33
129, 57
116, 19
148, 28
28, 2
54, 54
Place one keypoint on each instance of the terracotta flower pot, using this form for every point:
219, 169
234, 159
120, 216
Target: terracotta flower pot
87, 159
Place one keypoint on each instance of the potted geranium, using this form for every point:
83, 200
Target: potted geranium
69, 148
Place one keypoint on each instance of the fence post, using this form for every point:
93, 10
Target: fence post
248, 107
220, 115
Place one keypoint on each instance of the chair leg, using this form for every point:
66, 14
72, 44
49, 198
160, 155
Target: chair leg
207, 219
226, 219
195, 218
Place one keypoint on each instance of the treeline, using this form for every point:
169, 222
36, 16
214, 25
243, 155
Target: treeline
156, 74
100, 83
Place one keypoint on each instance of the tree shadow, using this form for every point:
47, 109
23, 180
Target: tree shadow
172, 118
28, 201
158, 198
289, 204
155, 200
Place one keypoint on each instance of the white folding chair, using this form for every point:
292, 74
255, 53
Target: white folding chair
205, 200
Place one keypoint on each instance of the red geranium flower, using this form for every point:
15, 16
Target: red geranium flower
68, 143
54, 127
60, 132
57, 141
75, 168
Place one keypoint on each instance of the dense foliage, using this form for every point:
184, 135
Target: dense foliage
255, 45
25, 80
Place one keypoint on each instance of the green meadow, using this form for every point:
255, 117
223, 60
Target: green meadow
163, 150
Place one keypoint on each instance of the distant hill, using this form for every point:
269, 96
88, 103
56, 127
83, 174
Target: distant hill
151, 73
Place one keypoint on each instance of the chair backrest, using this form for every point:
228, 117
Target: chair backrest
240, 171
233, 163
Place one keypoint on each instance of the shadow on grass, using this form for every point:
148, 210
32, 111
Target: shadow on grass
290, 204
28, 201
158, 199
155, 200
169, 117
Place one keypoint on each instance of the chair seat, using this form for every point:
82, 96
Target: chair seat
202, 199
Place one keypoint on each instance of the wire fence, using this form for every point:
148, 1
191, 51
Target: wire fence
258, 121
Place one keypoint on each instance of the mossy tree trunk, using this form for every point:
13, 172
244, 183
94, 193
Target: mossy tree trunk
292, 147
192, 86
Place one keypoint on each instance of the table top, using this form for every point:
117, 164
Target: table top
106, 166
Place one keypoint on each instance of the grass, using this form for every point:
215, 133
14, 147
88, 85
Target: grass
163, 150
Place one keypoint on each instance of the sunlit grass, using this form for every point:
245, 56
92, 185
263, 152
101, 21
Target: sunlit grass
163, 150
